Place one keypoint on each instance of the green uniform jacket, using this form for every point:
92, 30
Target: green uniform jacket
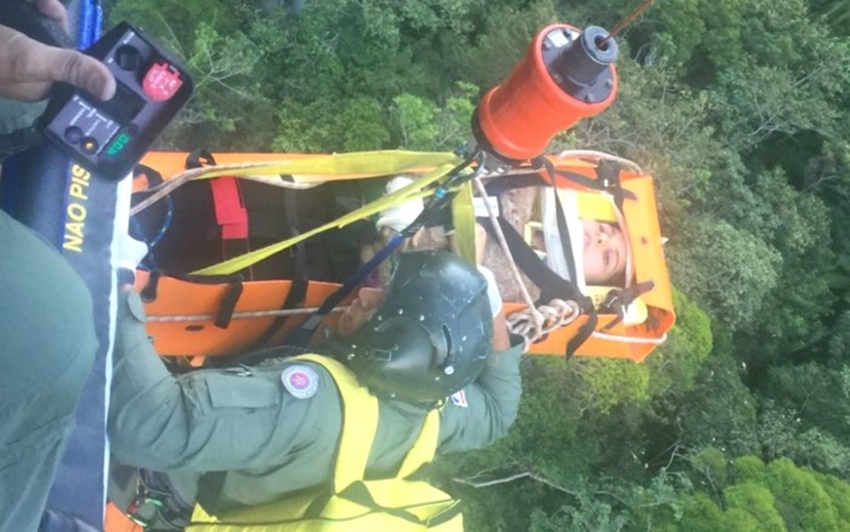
244, 421
49, 346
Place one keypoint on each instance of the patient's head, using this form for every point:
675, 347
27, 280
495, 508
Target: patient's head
605, 253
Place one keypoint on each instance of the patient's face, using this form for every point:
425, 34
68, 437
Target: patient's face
605, 251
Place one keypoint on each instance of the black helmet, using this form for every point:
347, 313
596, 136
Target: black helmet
430, 336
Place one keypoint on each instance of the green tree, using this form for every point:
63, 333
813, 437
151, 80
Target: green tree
813, 392
756, 501
729, 270
800, 499
676, 363
839, 493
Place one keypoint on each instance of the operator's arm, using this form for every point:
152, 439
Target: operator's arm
484, 411
209, 420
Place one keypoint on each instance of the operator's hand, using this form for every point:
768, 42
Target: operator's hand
28, 68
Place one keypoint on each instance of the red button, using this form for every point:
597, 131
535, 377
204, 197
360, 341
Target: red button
162, 82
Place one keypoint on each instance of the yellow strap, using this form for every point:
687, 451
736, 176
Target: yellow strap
358, 429
318, 168
463, 217
360, 423
425, 448
413, 190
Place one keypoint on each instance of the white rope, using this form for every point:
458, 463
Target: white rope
536, 317
629, 339
176, 318
169, 185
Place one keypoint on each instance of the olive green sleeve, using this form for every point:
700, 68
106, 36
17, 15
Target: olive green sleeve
206, 420
484, 411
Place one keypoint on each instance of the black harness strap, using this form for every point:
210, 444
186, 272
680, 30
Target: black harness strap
300, 280
581, 336
617, 300
228, 304
551, 285
199, 158
150, 291
153, 176
607, 179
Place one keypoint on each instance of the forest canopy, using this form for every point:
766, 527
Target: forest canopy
740, 109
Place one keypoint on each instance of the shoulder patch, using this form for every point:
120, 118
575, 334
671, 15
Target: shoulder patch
459, 399
302, 382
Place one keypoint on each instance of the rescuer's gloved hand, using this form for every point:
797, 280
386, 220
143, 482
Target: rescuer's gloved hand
127, 252
399, 216
394, 219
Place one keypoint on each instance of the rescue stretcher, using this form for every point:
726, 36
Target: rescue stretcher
211, 315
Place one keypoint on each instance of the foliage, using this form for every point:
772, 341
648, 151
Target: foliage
719, 411
731, 271
800, 499
777, 496
756, 501
676, 363
422, 125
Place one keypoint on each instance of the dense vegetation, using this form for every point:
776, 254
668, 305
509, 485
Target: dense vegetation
739, 108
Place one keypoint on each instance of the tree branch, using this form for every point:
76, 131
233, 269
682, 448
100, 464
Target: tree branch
511, 478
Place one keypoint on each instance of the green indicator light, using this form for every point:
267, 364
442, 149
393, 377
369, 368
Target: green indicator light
118, 144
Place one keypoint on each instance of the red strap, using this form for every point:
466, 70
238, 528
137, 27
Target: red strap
229, 211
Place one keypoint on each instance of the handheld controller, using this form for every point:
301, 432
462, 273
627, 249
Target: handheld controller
110, 137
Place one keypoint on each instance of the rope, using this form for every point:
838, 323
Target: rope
629, 339
169, 185
176, 318
536, 317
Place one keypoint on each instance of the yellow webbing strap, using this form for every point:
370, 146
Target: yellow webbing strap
372, 163
413, 190
463, 217
360, 423
425, 448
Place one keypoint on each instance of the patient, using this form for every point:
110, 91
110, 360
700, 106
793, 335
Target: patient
605, 253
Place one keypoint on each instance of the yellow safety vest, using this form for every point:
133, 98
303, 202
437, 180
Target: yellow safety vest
352, 504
